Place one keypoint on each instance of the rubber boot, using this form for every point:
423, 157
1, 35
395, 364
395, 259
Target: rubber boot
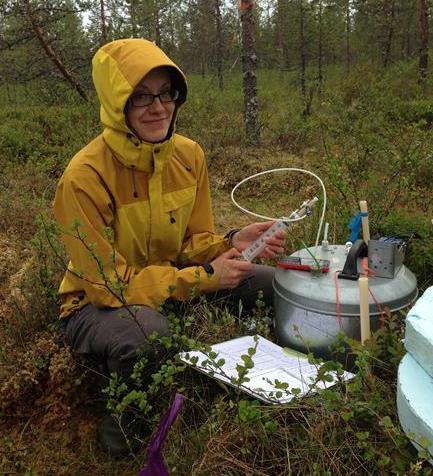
124, 439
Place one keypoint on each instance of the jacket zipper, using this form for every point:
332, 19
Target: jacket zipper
134, 188
187, 167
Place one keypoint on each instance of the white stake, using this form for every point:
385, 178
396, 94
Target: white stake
365, 225
325, 242
364, 312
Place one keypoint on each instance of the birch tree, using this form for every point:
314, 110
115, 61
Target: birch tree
249, 65
219, 45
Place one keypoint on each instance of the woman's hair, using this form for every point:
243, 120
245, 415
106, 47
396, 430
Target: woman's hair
178, 82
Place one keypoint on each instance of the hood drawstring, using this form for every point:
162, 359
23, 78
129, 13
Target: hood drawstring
134, 139
186, 166
134, 188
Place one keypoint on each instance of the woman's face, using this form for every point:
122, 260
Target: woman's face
152, 122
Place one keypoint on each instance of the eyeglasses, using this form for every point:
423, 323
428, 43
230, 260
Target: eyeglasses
146, 99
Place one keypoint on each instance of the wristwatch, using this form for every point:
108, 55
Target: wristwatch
208, 268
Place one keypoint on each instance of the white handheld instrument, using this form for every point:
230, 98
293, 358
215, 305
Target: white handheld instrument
282, 224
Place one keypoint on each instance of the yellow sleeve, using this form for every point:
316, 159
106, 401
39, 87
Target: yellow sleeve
201, 243
84, 210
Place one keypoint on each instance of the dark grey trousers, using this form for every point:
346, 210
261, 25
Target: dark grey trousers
111, 336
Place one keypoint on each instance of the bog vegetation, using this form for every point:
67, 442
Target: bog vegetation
364, 134
367, 131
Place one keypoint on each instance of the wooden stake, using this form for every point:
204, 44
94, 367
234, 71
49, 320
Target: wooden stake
364, 312
365, 225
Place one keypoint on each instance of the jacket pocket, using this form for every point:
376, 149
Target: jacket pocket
177, 208
178, 199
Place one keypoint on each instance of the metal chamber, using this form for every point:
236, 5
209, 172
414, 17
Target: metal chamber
305, 303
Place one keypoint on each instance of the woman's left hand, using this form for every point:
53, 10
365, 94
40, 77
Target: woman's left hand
249, 234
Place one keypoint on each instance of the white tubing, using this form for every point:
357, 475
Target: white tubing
263, 217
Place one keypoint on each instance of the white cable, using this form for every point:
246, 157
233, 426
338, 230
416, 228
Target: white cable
284, 169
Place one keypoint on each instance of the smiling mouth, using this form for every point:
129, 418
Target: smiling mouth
155, 121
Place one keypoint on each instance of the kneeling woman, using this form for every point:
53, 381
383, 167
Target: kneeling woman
136, 204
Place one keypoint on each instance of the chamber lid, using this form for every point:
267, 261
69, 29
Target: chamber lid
318, 292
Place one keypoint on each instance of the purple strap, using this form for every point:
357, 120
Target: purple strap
155, 462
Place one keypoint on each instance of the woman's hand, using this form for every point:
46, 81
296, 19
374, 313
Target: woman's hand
230, 270
246, 237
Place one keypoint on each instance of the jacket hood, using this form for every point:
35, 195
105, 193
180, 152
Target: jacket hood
118, 67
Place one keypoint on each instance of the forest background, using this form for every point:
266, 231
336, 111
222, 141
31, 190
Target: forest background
340, 87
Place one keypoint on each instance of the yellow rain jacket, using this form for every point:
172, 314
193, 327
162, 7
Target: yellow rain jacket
136, 216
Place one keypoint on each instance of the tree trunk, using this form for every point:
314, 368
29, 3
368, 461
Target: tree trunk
104, 36
171, 27
302, 49
219, 45
390, 36
320, 50
157, 26
348, 35
133, 18
249, 64
408, 44
424, 34
40, 35
280, 36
